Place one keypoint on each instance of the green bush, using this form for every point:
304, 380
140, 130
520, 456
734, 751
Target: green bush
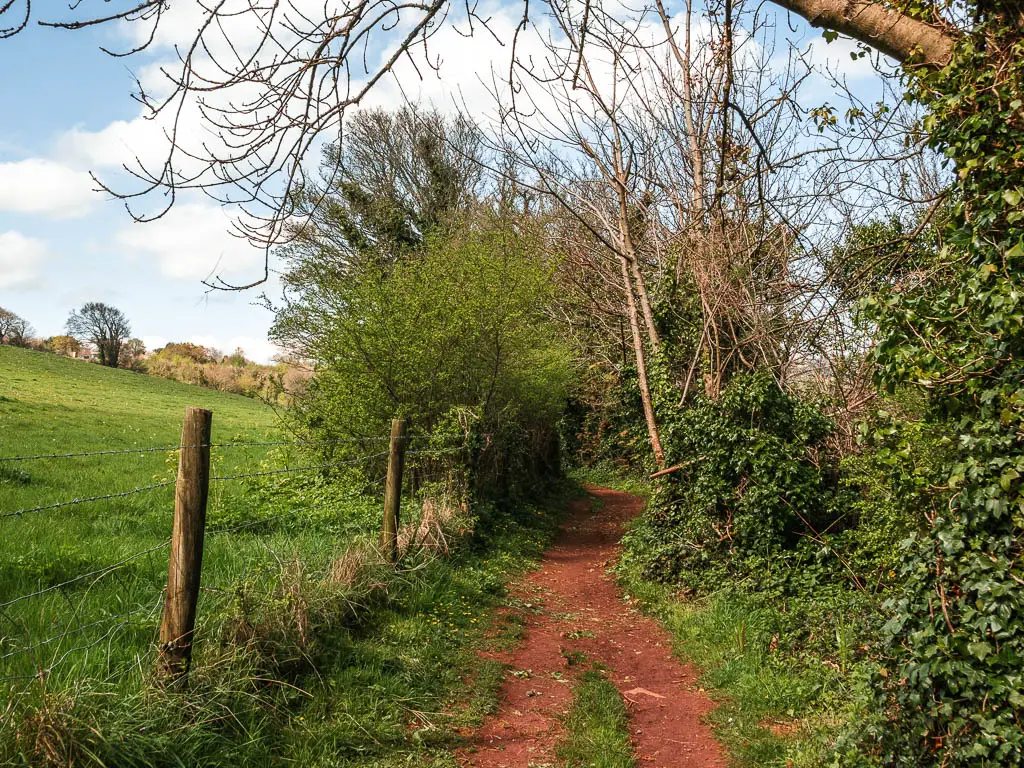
755, 479
452, 337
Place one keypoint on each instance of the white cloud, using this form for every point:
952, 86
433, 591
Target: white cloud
258, 350
20, 259
120, 143
38, 185
154, 342
192, 242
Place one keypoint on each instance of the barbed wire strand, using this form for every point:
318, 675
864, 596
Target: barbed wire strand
68, 633
239, 476
146, 611
240, 444
265, 473
44, 672
85, 500
101, 571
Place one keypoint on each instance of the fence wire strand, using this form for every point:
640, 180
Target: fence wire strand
153, 449
238, 444
125, 618
100, 571
239, 476
291, 513
44, 672
299, 469
85, 500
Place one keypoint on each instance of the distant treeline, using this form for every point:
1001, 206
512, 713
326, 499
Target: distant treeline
195, 364
190, 364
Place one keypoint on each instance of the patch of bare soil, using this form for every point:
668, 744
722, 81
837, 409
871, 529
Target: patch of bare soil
575, 616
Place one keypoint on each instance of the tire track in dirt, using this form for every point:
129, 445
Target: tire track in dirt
574, 607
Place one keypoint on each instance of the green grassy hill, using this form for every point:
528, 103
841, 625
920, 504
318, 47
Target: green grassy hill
99, 599
51, 404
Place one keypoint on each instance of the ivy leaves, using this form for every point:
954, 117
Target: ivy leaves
955, 642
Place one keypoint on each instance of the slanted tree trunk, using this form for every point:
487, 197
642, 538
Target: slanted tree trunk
641, 364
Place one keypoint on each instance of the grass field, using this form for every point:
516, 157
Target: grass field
102, 626
294, 664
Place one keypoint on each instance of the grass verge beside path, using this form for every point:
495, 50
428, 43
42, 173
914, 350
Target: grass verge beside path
597, 733
781, 700
381, 672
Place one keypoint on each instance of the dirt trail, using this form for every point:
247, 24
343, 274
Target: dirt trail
578, 609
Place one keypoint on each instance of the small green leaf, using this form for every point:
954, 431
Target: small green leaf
1007, 478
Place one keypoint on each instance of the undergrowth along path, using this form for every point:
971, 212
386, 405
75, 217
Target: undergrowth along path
577, 619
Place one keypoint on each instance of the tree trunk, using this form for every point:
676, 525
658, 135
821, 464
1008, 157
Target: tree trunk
641, 366
645, 305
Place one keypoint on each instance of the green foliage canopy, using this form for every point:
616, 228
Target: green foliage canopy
459, 326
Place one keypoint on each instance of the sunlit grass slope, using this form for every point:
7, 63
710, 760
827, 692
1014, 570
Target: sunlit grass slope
51, 404
96, 613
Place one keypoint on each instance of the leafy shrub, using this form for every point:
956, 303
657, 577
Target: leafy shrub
888, 490
754, 480
453, 337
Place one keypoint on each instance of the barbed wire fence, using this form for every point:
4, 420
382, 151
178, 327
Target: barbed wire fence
34, 643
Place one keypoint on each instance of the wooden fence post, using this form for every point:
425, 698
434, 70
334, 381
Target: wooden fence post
186, 562
393, 490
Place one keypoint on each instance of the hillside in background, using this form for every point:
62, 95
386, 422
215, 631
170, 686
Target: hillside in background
53, 404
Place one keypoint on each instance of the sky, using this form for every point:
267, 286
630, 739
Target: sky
67, 110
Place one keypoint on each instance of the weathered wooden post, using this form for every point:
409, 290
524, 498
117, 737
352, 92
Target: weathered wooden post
186, 562
393, 490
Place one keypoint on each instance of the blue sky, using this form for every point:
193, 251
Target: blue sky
61, 244
68, 110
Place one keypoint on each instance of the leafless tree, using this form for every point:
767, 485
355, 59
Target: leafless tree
102, 325
262, 83
14, 329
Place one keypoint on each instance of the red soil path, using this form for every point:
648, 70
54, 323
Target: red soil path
574, 607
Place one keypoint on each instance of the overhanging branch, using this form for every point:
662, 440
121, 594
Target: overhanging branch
895, 34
